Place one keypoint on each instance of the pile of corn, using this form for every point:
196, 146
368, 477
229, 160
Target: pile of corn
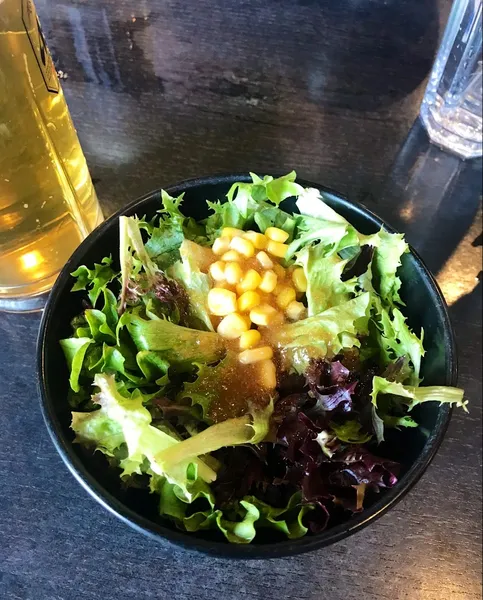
251, 288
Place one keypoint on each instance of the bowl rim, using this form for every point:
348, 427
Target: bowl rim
187, 540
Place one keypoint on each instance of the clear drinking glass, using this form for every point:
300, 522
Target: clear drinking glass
451, 108
47, 201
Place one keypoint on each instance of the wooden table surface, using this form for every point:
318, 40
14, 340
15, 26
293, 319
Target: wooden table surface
164, 90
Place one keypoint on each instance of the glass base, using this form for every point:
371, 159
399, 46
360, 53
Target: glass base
24, 303
447, 138
31, 299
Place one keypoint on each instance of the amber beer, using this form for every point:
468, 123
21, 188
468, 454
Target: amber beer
47, 200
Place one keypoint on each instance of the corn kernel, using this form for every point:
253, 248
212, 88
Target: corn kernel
231, 255
264, 260
268, 374
276, 235
231, 232
250, 282
257, 239
233, 273
217, 270
263, 315
295, 311
269, 282
278, 288
286, 296
221, 245
254, 355
277, 249
279, 270
221, 302
299, 280
248, 300
250, 338
232, 326
243, 246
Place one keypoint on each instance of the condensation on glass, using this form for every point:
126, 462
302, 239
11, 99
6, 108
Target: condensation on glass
452, 105
47, 201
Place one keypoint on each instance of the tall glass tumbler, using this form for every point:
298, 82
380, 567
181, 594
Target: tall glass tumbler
452, 105
47, 201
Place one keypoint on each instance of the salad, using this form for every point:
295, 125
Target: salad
246, 368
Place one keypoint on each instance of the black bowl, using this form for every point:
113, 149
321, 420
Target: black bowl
415, 448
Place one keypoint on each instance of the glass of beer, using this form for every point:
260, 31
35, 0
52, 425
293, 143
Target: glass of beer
47, 201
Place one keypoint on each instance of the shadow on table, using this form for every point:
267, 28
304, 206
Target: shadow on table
432, 196
435, 199
469, 304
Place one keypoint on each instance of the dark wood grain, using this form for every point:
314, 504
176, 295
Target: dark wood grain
161, 91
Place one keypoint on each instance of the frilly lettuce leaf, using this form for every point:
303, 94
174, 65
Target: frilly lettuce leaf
249, 195
411, 395
393, 422
95, 280
175, 500
288, 519
391, 400
94, 428
256, 202
99, 329
98, 324
224, 214
390, 336
167, 234
175, 504
111, 360
74, 351
204, 389
350, 432
311, 204
272, 216
133, 257
318, 222
142, 265
238, 522
187, 272
129, 417
392, 339
250, 429
173, 343
240, 530
325, 287
397, 340
164, 242
324, 334
171, 206
387, 259
151, 364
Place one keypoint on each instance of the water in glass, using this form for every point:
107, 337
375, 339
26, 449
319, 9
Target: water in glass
452, 105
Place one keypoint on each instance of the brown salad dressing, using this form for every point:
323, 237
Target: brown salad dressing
238, 389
